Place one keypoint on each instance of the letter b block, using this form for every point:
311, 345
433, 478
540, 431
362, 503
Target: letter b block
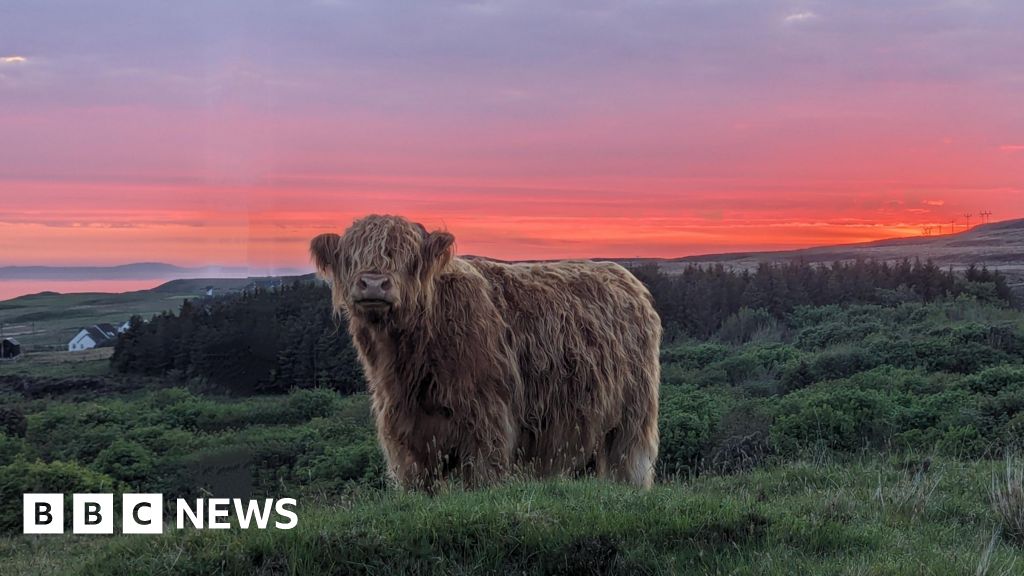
43, 513
92, 514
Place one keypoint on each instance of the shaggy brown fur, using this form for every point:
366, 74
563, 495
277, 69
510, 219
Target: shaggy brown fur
479, 368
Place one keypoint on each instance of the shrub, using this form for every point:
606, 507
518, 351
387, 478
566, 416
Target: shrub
686, 418
745, 325
963, 442
997, 379
13, 422
841, 362
22, 476
828, 334
837, 417
126, 461
694, 357
341, 467
739, 368
795, 376
305, 404
11, 448
943, 352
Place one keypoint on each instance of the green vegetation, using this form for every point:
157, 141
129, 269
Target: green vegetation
877, 435
56, 365
259, 341
857, 517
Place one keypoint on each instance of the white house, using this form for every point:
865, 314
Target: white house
96, 335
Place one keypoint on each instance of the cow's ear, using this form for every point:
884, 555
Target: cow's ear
324, 251
437, 250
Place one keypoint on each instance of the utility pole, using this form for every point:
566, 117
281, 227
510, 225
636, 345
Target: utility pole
952, 226
967, 216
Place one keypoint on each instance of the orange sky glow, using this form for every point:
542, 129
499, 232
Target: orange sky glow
232, 137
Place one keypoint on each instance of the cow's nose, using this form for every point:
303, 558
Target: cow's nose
373, 285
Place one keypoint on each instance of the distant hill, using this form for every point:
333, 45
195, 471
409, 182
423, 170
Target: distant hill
137, 271
991, 244
999, 245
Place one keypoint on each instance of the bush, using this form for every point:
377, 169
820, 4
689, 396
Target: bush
838, 417
997, 379
306, 404
694, 357
745, 325
126, 461
13, 422
841, 362
959, 351
795, 376
342, 467
11, 448
687, 418
22, 476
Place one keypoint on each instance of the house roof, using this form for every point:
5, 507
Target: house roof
93, 332
107, 328
12, 341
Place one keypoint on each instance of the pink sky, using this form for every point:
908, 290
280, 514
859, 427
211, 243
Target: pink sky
232, 134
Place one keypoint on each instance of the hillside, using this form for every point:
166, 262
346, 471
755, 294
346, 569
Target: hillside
997, 245
866, 439
140, 270
47, 320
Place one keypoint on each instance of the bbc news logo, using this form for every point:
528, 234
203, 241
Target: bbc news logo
144, 513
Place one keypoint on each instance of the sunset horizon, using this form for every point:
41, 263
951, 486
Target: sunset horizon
232, 135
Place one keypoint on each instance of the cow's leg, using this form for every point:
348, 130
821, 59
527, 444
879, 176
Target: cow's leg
489, 455
632, 448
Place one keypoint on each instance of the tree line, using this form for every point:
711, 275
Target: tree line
265, 340
275, 340
696, 302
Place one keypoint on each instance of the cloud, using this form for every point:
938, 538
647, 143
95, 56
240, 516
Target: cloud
13, 59
1012, 148
797, 17
933, 202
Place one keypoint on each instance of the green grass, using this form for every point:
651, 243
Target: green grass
866, 516
83, 364
825, 420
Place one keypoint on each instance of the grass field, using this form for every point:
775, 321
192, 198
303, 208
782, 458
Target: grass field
866, 516
48, 320
94, 362
857, 440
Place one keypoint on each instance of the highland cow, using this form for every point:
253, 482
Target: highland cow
478, 369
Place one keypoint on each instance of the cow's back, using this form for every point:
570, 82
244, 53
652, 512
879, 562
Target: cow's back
583, 334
